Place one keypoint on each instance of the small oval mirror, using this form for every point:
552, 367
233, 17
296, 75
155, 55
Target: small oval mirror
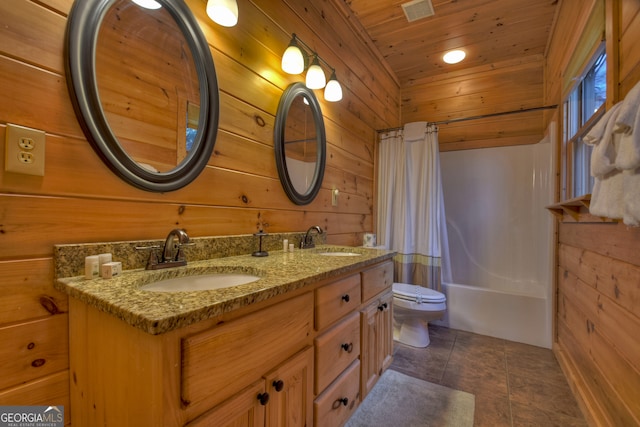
144, 88
300, 144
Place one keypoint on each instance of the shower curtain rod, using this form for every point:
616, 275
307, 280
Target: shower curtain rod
483, 116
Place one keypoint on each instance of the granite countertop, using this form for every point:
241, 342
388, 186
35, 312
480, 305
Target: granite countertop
161, 312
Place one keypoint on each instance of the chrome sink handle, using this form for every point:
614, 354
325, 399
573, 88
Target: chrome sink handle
152, 261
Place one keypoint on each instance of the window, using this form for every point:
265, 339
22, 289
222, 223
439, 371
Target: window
581, 110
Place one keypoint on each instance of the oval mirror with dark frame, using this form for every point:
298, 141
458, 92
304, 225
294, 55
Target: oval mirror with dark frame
144, 88
300, 143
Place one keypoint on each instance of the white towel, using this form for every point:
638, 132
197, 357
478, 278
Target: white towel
598, 130
631, 195
615, 161
607, 196
628, 114
628, 157
603, 158
414, 131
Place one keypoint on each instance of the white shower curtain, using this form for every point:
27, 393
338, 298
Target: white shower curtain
411, 217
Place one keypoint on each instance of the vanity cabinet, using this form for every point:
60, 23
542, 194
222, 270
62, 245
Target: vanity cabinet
214, 369
305, 349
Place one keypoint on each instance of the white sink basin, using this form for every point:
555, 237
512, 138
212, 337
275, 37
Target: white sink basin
338, 253
205, 282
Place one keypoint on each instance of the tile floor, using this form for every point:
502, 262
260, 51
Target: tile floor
514, 384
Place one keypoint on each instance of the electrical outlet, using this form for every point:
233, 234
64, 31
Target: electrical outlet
24, 150
26, 143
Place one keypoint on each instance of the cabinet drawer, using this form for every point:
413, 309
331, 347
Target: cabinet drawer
338, 402
337, 299
220, 362
376, 280
336, 349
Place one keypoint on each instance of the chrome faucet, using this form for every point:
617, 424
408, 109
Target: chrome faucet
173, 244
307, 242
172, 254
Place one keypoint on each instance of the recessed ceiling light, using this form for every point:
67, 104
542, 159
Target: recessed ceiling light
454, 56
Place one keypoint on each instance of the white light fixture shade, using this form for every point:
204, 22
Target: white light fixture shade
454, 56
315, 76
333, 90
293, 60
148, 4
223, 12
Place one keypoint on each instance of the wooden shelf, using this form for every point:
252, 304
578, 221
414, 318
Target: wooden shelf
576, 210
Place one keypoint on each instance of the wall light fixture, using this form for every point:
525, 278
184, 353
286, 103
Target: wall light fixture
223, 12
148, 4
296, 59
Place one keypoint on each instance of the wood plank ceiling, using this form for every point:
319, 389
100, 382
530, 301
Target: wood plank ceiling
505, 43
489, 31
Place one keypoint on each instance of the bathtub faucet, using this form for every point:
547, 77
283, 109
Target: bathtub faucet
307, 242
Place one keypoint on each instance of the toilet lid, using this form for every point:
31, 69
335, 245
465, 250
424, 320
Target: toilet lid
409, 292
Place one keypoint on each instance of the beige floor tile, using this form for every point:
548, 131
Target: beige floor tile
534, 362
527, 416
475, 378
543, 394
492, 410
425, 363
514, 384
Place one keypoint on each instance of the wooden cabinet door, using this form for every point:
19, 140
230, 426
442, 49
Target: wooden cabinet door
290, 389
385, 332
377, 340
241, 410
368, 348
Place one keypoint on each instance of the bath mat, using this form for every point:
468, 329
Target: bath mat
399, 400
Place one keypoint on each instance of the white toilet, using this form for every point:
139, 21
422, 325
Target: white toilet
413, 307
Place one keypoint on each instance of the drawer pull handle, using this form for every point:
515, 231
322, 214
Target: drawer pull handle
348, 347
278, 385
383, 307
345, 298
263, 398
343, 401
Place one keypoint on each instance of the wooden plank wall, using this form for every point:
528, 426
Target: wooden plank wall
80, 200
598, 281
488, 89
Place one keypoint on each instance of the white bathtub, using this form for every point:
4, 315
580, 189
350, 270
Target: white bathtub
500, 241
514, 316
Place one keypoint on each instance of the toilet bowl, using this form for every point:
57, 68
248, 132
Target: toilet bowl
413, 307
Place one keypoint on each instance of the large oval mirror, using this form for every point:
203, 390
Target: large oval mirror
144, 88
300, 143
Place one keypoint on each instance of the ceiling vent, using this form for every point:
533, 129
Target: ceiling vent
417, 9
